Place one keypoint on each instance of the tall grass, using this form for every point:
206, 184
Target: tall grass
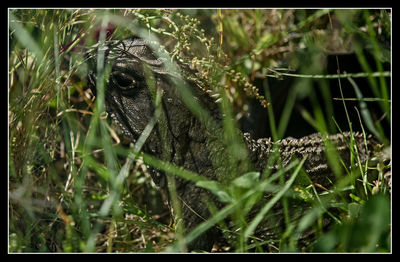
77, 185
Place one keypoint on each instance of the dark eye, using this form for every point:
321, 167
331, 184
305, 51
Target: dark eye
122, 80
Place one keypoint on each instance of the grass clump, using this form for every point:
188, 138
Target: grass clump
75, 186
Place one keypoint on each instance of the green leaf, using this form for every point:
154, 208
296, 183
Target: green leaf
266, 41
247, 180
215, 188
354, 210
303, 194
356, 198
261, 214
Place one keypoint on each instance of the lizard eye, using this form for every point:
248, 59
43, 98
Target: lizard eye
123, 81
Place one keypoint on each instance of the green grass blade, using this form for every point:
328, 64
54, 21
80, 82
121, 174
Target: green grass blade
252, 226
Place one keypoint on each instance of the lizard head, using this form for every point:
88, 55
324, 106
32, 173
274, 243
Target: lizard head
136, 74
128, 99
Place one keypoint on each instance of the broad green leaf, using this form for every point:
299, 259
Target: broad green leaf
216, 189
247, 180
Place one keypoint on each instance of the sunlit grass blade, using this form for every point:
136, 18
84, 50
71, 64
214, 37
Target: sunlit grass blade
227, 210
278, 74
366, 113
253, 224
